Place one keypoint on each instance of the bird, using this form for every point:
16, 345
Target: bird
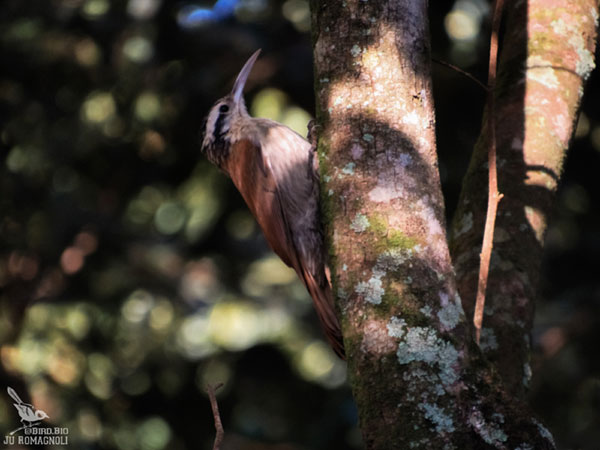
275, 171
26, 411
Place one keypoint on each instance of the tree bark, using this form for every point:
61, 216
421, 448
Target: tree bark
547, 56
418, 379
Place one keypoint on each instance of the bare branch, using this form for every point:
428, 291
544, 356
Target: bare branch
220, 433
462, 72
528, 112
493, 195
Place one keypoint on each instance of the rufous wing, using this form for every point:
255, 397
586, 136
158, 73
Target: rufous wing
251, 173
253, 180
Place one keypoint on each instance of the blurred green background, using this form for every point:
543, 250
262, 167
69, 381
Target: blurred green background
131, 273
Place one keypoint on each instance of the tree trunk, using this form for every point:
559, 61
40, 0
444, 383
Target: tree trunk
546, 58
418, 379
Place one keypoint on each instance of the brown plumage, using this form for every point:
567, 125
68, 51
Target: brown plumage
272, 167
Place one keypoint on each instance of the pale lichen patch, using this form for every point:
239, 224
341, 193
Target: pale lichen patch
559, 26
490, 431
544, 432
427, 311
438, 416
594, 14
392, 259
360, 223
388, 261
527, 374
585, 63
430, 218
372, 290
423, 344
349, 169
450, 313
396, 327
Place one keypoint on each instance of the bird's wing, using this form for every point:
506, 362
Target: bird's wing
267, 183
291, 162
25, 412
253, 178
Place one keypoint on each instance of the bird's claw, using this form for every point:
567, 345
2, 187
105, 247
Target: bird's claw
313, 134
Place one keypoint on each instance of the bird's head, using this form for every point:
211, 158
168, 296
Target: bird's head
41, 414
226, 110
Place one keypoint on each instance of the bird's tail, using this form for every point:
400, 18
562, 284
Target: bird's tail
14, 395
324, 305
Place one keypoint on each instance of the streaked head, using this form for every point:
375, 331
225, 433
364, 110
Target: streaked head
218, 122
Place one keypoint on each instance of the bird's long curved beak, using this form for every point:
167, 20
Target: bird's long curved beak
240, 82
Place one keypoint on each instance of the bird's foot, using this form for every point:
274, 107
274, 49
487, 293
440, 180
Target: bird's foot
313, 138
313, 134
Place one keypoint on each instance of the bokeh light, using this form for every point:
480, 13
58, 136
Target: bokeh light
273, 104
297, 12
264, 274
191, 16
143, 9
463, 25
94, 9
138, 49
154, 434
131, 271
147, 106
99, 107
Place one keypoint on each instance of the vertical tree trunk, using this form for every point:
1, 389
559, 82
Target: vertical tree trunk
547, 56
417, 377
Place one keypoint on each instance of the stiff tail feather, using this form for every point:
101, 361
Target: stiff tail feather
14, 395
324, 305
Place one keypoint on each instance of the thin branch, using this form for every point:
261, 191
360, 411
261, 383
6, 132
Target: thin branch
210, 390
462, 72
493, 195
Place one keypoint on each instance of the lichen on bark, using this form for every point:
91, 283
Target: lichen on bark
417, 377
546, 58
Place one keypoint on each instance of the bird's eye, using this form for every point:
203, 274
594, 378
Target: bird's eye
223, 108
